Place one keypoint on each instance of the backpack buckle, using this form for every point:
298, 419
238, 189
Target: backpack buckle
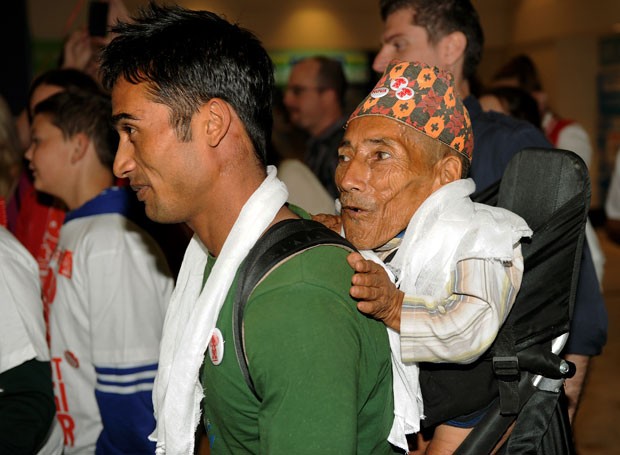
506, 368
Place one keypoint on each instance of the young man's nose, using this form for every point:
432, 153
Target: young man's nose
123, 162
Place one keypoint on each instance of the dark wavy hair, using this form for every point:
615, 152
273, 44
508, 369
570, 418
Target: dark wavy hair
518, 103
187, 58
523, 69
442, 17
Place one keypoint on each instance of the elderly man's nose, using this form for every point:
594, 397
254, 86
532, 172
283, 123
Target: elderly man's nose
351, 176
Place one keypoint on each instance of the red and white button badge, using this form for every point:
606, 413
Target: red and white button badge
398, 83
216, 347
401, 86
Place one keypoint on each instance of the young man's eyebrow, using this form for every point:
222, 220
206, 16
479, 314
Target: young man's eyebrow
122, 116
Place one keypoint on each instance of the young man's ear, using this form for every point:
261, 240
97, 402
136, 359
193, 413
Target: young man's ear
217, 117
80, 143
452, 48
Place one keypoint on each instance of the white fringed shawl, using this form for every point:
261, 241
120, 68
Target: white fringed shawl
192, 316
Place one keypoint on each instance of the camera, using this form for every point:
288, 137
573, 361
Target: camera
97, 18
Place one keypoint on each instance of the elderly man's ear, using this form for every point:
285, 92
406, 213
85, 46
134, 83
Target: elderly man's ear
450, 169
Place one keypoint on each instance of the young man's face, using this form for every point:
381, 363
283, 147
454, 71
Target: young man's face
383, 176
163, 170
402, 40
50, 156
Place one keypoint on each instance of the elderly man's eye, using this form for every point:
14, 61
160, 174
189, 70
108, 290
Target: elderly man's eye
383, 155
343, 158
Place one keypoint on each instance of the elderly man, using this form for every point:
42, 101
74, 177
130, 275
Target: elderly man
194, 122
457, 265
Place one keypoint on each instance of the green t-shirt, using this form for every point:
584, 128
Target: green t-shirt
321, 369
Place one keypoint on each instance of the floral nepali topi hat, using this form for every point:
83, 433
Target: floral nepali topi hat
422, 97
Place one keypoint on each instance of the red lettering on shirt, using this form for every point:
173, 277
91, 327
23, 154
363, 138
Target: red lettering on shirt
48, 288
50, 237
62, 405
48, 292
65, 267
68, 425
56, 368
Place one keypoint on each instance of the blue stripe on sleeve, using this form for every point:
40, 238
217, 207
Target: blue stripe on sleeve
125, 381
127, 370
127, 417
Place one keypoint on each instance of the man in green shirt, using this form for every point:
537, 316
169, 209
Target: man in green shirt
192, 104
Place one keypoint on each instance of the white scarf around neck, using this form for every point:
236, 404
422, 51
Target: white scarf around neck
192, 316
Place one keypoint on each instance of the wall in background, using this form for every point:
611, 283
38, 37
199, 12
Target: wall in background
560, 35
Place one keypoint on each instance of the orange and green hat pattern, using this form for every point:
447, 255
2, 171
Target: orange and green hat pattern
422, 97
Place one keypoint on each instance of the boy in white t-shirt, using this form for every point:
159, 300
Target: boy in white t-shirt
110, 287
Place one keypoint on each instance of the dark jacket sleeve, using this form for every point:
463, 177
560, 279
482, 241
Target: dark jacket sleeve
26, 407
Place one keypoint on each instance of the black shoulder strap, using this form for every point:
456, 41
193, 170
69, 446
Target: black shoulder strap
282, 241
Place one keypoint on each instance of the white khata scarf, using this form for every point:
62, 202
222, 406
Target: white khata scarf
192, 316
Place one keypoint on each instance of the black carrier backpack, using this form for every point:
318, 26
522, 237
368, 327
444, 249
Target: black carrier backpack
281, 242
550, 189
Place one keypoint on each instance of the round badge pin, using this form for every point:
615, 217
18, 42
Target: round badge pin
72, 359
399, 83
405, 94
379, 92
216, 347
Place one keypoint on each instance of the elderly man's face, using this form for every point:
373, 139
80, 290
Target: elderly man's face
383, 175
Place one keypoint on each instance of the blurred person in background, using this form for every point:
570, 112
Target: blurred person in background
27, 411
511, 101
563, 133
109, 284
314, 98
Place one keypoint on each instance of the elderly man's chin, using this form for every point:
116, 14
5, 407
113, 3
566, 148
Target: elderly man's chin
367, 235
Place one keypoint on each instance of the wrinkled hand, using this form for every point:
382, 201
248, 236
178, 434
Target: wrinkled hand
77, 50
332, 222
378, 296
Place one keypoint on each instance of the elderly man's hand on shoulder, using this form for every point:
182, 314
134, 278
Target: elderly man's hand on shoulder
378, 296
332, 222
